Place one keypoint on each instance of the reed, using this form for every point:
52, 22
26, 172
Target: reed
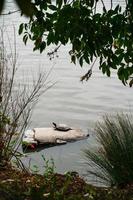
112, 162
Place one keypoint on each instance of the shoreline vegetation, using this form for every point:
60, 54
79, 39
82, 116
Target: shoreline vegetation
20, 185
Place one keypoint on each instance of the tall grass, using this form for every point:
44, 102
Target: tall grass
112, 161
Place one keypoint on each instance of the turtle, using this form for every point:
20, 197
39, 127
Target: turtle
61, 127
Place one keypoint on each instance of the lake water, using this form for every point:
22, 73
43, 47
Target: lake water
69, 101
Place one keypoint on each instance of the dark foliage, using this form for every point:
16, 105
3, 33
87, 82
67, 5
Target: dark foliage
107, 35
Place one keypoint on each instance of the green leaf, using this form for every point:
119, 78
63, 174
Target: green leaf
42, 46
73, 59
25, 38
52, 7
116, 9
108, 71
59, 3
81, 61
86, 57
65, 1
20, 28
119, 51
50, 38
120, 57
35, 48
103, 67
126, 57
104, 9
2, 5
90, 3
131, 83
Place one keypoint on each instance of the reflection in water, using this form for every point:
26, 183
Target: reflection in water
69, 101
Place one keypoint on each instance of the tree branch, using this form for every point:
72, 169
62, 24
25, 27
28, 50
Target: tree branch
10, 12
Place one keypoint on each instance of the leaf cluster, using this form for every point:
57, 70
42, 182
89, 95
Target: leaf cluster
107, 35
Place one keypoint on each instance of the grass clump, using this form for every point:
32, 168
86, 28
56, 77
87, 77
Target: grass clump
112, 160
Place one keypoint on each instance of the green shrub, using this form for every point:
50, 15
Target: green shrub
112, 161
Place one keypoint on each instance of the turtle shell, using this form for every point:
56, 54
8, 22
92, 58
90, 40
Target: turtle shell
61, 127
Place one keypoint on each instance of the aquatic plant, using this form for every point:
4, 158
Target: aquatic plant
112, 161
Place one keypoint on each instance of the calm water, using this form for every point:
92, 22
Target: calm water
69, 101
